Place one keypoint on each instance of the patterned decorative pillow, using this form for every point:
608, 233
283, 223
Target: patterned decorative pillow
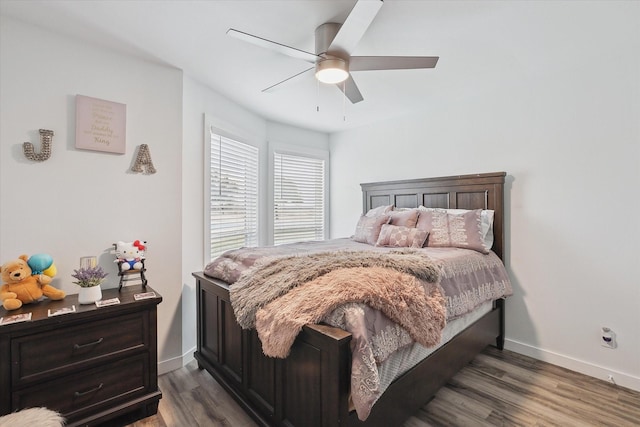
405, 218
486, 222
380, 210
401, 237
458, 230
368, 228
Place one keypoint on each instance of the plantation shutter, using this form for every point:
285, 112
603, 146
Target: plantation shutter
298, 198
233, 195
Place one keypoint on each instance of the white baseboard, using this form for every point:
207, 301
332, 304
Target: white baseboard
165, 366
620, 378
188, 356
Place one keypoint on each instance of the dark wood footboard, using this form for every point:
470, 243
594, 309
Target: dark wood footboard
311, 387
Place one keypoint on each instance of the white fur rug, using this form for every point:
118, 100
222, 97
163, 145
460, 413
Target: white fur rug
41, 417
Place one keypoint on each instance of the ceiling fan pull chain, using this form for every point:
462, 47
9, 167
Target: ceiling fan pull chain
317, 95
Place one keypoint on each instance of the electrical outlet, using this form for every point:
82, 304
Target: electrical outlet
608, 338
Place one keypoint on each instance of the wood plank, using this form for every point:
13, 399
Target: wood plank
496, 388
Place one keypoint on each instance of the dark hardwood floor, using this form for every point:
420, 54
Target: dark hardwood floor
495, 389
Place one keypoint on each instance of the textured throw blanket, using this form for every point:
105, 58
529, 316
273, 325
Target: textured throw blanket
271, 278
400, 296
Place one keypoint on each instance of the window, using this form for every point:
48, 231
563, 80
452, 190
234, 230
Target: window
233, 190
298, 198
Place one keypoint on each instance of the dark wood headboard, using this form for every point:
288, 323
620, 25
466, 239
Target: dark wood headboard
479, 191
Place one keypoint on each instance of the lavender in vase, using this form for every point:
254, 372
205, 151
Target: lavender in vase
88, 277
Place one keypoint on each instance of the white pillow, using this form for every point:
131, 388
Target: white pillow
486, 222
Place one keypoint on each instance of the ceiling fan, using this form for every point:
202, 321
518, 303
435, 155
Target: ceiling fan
334, 43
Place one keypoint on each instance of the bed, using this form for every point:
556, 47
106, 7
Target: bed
311, 386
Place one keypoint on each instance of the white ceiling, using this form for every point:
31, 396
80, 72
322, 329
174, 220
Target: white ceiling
190, 35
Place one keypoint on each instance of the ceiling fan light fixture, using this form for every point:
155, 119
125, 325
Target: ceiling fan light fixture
332, 70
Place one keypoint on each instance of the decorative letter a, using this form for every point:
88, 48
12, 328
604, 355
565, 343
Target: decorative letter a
143, 158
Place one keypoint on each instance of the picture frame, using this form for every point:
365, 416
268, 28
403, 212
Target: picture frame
100, 125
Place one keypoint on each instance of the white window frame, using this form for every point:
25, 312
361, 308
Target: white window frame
211, 126
302, 151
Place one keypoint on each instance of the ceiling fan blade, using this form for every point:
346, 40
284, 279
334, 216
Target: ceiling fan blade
355, 26
275, 46
350, 89
365, 63
278, 85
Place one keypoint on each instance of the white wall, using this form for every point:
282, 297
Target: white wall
78, 202
278, 132
561, 116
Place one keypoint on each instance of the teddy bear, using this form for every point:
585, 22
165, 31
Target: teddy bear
130, 255
20, 286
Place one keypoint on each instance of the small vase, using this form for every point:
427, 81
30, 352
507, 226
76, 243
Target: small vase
89, 295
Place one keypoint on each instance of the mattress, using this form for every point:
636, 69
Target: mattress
409, 356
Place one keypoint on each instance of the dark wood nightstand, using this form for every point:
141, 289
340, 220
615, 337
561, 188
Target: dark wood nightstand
91, 365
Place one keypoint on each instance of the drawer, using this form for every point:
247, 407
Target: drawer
39, 356
87, 391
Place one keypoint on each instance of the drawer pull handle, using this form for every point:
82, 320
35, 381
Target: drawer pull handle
79, 346
84, 393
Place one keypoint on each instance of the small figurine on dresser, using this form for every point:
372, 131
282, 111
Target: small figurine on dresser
130, 258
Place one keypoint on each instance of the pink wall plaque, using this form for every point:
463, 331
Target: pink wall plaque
100, 125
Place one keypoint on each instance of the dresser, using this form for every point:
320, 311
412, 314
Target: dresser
91, 365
